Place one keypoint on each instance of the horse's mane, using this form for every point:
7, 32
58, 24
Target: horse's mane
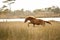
30, 17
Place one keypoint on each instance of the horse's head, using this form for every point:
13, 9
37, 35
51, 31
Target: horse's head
25, 20
28, 18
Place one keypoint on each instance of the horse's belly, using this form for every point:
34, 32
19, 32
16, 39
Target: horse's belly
38, 24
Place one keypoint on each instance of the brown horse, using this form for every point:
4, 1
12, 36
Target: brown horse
35, 21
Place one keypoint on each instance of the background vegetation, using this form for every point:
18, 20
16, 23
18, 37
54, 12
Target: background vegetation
46, 12
5, 12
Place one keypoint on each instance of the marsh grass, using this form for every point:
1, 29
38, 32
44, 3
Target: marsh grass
20, 31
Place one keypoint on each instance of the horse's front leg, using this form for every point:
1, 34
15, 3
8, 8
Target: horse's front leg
29, 23
33, 25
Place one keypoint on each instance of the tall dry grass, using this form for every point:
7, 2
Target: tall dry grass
20, 31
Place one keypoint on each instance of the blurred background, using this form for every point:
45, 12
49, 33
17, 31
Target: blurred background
24, 8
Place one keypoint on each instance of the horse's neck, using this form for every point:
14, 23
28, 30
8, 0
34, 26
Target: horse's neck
31, 20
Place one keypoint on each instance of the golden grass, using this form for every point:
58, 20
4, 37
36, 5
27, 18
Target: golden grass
20, 31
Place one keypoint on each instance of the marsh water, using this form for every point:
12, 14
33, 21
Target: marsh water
22, 19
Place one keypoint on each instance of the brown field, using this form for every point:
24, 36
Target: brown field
20, 31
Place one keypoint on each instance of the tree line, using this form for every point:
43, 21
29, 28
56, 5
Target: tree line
4, 10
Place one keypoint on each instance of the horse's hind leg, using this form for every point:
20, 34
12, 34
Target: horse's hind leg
43, 24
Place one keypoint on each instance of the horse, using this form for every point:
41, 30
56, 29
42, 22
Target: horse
35, 21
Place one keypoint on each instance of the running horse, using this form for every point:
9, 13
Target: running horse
35, 21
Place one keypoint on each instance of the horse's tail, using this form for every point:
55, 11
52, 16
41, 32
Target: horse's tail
48, 22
